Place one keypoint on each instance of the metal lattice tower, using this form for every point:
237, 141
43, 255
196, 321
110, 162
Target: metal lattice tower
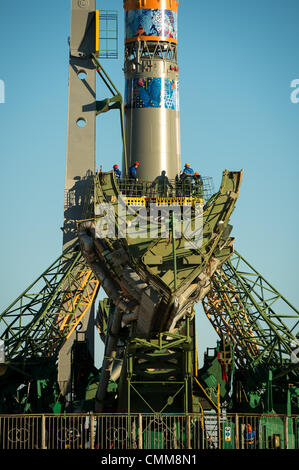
44, 316
243, 306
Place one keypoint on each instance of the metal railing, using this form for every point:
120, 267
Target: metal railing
188, 187
145, 431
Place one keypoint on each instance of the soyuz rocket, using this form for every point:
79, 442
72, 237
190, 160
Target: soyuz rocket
152, 120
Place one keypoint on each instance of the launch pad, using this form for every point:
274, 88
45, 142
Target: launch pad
156, 244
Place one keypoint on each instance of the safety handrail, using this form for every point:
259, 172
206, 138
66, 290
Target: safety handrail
166, 188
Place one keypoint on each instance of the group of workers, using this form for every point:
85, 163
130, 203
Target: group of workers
132, 171
188, 181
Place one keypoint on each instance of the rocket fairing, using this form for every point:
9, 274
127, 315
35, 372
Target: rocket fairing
152, 117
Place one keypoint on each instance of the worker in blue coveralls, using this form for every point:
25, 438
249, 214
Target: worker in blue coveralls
249, 436
187, 178
117, 171
198, 184
133, 177
188, 172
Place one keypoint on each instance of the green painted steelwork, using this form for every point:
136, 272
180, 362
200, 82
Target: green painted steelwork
215, 219
166, 265
262, 327
157, 376
28, 325
264, 335
35, 327
172, 221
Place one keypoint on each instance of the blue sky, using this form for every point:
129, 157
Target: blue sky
237, 59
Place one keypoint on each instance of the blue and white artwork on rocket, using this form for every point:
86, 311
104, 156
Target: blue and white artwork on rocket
151, 22
151, 93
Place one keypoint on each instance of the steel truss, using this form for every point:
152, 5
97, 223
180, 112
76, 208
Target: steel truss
38, 322
240, 306
151, 50
164, 363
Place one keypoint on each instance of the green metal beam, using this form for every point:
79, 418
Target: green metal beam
241, 305
29, 327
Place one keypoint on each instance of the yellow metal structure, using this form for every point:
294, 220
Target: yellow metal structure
135, 201
215, 406
178, 201
164, 201
228, 320
78, 298
97, 39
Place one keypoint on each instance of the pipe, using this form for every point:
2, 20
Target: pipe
110, 287
128, 318
131, 281
86, 231
116, 369
110, 350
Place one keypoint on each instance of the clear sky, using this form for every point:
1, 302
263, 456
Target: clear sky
237, 60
